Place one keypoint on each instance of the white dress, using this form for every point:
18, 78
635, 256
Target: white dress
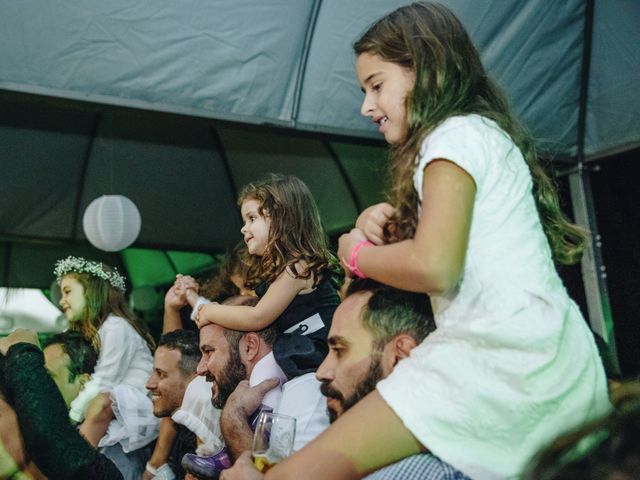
198, 415
512, 363
123, 368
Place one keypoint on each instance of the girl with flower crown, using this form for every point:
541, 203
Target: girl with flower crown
94, 303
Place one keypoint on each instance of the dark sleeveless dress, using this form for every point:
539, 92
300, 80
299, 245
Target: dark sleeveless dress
303, 328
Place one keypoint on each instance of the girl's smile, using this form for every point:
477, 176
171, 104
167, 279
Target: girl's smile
72, 301
386, 86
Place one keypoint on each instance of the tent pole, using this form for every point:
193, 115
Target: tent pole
594, 276
593, 269
302, 67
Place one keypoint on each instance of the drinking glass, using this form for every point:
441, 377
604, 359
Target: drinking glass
273, 439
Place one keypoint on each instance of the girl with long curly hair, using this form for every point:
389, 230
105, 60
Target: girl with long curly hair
290, 268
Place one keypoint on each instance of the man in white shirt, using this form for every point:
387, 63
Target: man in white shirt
374, 328
174, 366
232, 360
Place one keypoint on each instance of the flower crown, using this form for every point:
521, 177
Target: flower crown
81, 265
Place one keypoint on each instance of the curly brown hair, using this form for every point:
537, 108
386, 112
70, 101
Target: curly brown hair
295, 235
451, 80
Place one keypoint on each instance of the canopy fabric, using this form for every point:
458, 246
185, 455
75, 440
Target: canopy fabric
289, 62
177, 105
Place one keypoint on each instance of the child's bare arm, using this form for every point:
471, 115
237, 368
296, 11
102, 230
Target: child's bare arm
245, 318
433, 260
192, 297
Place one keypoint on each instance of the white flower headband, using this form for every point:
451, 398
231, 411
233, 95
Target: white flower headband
81, 265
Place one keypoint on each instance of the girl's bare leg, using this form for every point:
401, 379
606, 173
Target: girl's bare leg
164, 443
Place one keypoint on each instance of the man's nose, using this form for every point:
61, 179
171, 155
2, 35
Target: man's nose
151, 383
202, 369
325, 371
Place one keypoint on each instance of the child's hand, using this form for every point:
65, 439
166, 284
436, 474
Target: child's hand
176, 296
372, 220
187, 282
346, 243
201, 314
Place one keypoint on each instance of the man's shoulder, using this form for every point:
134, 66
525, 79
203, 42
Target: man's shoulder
304, 389
302, 399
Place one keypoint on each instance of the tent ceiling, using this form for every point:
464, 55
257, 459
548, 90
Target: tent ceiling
183, 173
178, 104
289, 62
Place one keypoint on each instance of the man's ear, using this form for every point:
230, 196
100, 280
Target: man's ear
250, 346
395, 350
402, 346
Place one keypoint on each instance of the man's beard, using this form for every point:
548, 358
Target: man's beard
364, 387
232, 374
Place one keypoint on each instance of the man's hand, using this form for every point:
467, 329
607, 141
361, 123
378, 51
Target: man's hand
19, 336
176, 296
245, 399
234, 419
372, 220
243, 469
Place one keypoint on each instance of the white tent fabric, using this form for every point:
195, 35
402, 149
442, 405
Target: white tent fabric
289, 62
613, 118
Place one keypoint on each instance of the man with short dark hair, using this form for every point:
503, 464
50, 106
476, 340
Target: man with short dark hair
33, 397
374, 328
377, 326
70, 360
174, 366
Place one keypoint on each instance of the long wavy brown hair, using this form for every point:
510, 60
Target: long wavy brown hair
102, 299
295, 234
451, 80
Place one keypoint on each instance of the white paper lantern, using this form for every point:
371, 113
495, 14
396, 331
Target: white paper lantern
111, 222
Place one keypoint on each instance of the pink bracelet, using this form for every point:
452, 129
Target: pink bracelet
353, 261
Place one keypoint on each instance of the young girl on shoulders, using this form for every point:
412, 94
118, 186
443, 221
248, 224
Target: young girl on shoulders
94, 303
289, 268
474, 221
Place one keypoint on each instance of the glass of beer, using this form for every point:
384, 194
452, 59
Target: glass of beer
273, 439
